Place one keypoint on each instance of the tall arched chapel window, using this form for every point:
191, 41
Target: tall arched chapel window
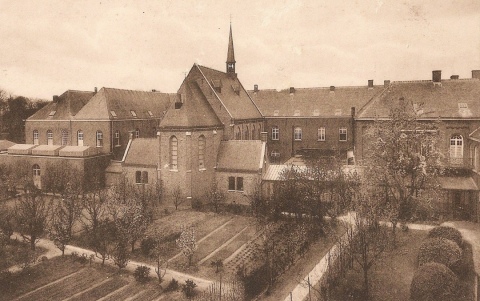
456, 149
201, 152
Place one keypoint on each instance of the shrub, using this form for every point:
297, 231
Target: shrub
189, 288
197, 204
172, 286
6, 279
434, 281
447, 233
142, 273
147, 245
439, 250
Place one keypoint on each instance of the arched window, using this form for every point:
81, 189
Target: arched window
117, 138
246, 133
80, 138
201, 152
49, 137
275, 133
35, 137
253, 132
238, 133
99, 142
297, 134
456, 149
137, 133
36, 170
173, 153
64, 137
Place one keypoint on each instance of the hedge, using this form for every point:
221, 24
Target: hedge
447, 233
440, 250
434, 281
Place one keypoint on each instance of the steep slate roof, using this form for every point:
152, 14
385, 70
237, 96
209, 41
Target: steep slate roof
430, 101
240, 106
67, 106
142, 151
311, 102
121, 102
194, 112
241, 155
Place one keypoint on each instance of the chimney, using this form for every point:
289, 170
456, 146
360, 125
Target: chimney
454, 77
153, 90
292, 90
370, 83
437, 76
476, 74
352, 112
55, 98
255, 88
95, 90
386, 83
332, 88
263, 136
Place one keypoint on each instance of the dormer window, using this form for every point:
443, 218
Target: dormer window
316, 112
52, 113
462, 105
114, 115
217, 85
276, 112
150, 113
134, 114
296, 113
338, 112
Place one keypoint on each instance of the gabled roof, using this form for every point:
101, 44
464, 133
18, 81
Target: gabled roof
110, 104
64, 107
195, 111
241, 155
312, 102
457, 99
143, 151
233, 95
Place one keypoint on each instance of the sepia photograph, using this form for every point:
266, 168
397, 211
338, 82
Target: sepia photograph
301, 150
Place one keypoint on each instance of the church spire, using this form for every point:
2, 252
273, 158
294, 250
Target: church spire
230, 54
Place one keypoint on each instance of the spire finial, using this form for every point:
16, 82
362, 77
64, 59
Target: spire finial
231, 52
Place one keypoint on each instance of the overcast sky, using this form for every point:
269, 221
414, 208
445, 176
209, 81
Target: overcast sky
47, 47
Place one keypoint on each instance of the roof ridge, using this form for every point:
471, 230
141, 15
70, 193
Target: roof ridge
210, 68
319, 88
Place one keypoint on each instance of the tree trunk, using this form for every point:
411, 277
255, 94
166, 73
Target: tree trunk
365, 284
33, 238
394, 233
133, 245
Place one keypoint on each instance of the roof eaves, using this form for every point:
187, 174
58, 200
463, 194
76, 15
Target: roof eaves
206, 79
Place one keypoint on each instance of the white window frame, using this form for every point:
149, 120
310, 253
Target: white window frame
35, 137
173, 153
49, 137
342, 131
297, 134
117, 138
201, 152
275, 133
456, 149
99, 139
64, 140
321, 134
80, 138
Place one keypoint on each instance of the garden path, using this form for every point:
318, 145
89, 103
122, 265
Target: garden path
53, 251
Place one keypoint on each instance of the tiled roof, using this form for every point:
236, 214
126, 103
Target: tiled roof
457, 183
194, 112
276, 172
143, 151
311, 102
233, 96
451, 99
67, 105
113, 104
241, 155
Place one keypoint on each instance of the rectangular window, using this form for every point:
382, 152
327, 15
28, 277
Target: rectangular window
275, 133
231, 183
343, 134
240, 184
99, 139
321, 134
297, 134
138, 177
35, 137
145, 177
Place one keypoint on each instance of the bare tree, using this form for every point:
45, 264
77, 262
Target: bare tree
31, 213
216, 197
177, 197
403, 161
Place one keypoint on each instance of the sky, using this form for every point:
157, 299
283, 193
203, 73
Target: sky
48, 47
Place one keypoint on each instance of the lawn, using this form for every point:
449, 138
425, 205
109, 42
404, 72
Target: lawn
15, 253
